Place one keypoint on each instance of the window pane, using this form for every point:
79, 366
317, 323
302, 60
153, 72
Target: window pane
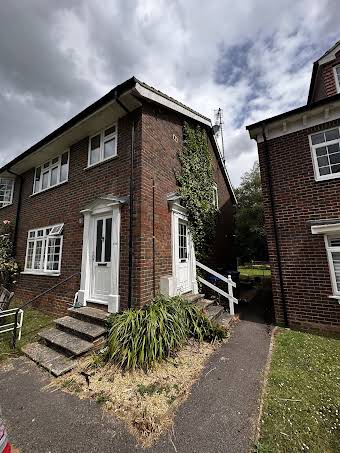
324, 171
29, 258
108, 233
55, 160
109, 148
38, 254
318, 138
94, 156
336, 265
54, 176
333, 148
53, 254
45, 180
322, 161
321, 151
37, 179
99, 239
334, 158
95, 142
335, 168
109, 131
63, 172
333, 134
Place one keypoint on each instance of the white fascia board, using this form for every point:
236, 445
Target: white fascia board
157, 97
330, 55
297, 122
325, 229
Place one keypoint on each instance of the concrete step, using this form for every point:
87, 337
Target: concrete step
193, 297
86, 330
68, 344
53, 361
204, 303
213, 312
226, 320
94, 315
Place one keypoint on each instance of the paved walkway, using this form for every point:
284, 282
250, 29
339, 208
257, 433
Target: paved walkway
218, 417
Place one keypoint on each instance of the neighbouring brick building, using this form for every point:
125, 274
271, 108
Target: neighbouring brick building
299, 153
97, 198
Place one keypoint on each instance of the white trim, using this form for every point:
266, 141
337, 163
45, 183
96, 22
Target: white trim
330, 250
104, 205
314, 148
102, 140
337, 78
325, 228
47, 273
171, 104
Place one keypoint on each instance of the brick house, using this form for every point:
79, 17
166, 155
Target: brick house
97, 197
299, 154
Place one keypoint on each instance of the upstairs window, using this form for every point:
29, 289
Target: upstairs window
215, 196
43, 253
336, 70
326, 154
103, 145
51, 173
6, 191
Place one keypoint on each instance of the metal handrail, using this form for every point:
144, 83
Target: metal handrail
33, 300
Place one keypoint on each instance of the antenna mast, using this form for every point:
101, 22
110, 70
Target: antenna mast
219, 128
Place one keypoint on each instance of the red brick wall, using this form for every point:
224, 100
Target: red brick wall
160, 164
63, 204
325, 83
298, 199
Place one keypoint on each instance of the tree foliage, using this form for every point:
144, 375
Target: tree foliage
249, 229
8, 265
196, 184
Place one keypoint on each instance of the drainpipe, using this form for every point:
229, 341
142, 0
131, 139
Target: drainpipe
153, 241
16, 225
276, 233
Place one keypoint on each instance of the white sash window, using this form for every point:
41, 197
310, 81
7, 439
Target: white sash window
333, 253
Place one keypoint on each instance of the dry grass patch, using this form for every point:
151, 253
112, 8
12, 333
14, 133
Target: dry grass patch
146, 402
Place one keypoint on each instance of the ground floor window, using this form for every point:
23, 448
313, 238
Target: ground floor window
333, 253
44, 247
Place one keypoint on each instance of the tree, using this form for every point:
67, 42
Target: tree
249, 228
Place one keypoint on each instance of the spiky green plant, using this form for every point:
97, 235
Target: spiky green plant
139, 338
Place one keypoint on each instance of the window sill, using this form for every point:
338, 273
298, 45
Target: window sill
49, 188
47, 274
6, 206
335, 297
100, 163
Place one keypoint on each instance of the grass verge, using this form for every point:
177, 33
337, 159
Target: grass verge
34, 320
254, 271
301, 411
146, 402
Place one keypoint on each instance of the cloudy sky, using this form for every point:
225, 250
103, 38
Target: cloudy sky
251, 58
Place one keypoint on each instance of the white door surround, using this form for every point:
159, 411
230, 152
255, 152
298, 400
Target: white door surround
100, 257
183, 278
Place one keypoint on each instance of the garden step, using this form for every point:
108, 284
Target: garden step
214, 311
82, 329
53, 361
89, 314
226, 320
204, 303
193, 297
69, 344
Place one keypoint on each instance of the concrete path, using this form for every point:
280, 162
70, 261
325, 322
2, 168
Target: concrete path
218, 417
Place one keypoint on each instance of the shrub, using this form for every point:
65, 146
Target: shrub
139, 338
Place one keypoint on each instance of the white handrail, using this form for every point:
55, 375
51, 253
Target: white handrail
11, 325
231, 284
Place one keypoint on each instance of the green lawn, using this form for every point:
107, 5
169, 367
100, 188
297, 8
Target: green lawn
254, 271
302, 404
34, 320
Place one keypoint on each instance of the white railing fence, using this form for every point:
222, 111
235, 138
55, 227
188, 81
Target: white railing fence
231, 284
10, 327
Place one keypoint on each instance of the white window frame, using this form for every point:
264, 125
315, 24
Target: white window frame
48, 234
103, 140
336, 77
313, 149
3, 204
48, 170
330, 249
215, 197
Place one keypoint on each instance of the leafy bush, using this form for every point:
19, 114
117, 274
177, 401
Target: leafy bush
8, 266
139, 338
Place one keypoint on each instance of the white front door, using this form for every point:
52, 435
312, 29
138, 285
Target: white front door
101, 284
182, 256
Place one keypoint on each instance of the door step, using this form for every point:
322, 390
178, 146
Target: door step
79, 333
